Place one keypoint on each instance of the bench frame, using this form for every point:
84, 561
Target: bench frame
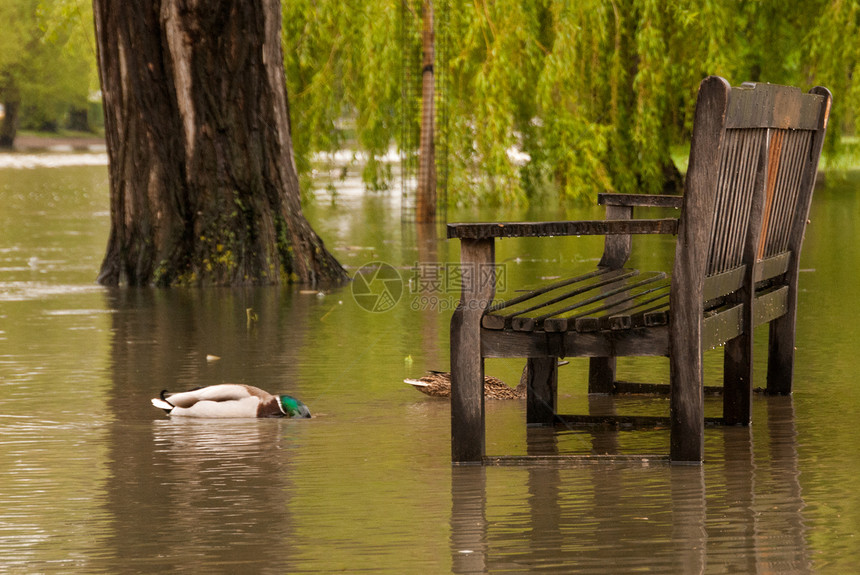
746, 287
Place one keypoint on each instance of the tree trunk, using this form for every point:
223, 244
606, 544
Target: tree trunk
425, 207
203, 183
11, 105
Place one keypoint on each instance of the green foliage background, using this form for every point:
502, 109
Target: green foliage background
596, 93
47, 58
590, 94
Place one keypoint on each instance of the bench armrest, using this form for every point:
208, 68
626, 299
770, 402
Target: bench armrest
640, 200
480, 231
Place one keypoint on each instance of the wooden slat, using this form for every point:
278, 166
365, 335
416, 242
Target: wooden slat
772, 106
656, 318
558, 318
652, 341
724, 283
500, 315
722, 326
772, 267
733, 205
563, 228
554, 286
770, 305
640, 200
774, 157
622, 314
784, 188
634, 316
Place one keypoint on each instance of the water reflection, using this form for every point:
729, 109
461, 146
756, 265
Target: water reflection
221, 495
665, 518
213, 493
167, 338
427, 242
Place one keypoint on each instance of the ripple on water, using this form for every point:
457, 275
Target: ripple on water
31, 291
32, 161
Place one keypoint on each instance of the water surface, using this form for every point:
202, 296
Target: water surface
93, 479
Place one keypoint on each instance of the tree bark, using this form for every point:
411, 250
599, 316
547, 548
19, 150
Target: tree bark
203, 182
425, 206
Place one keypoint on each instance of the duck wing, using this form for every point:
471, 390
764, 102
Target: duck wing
435, 384
217, 393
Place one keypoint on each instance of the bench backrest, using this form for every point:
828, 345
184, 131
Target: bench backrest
753, 163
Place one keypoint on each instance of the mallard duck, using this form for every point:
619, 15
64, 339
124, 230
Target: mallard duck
438, 384
230, 400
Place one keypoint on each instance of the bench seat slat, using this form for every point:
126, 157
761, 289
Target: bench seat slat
564, 318
600, 317
588, 304
550, 287
501, 315
526, 321
556, 292
639, 316
611, 292
627, 299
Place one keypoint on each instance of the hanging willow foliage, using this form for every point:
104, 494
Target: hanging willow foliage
554, 98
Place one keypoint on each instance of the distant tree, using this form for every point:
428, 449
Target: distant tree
47, 63
203, 183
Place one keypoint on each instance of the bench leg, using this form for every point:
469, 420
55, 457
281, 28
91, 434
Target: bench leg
737, 380
467, 365
467, 393
780, 359
687, 415
687, 401
601, 374
542, 390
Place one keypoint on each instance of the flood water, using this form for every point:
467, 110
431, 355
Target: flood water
93, 479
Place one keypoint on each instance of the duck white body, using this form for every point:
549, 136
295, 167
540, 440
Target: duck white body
230, 400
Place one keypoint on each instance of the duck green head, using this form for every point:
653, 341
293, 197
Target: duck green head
292, 407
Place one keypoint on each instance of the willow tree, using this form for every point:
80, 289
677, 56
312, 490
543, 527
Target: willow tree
343, 64
202, 178
560, 99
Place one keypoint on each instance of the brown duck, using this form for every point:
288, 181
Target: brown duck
438, 384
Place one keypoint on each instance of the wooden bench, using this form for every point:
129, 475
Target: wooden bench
752, 167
